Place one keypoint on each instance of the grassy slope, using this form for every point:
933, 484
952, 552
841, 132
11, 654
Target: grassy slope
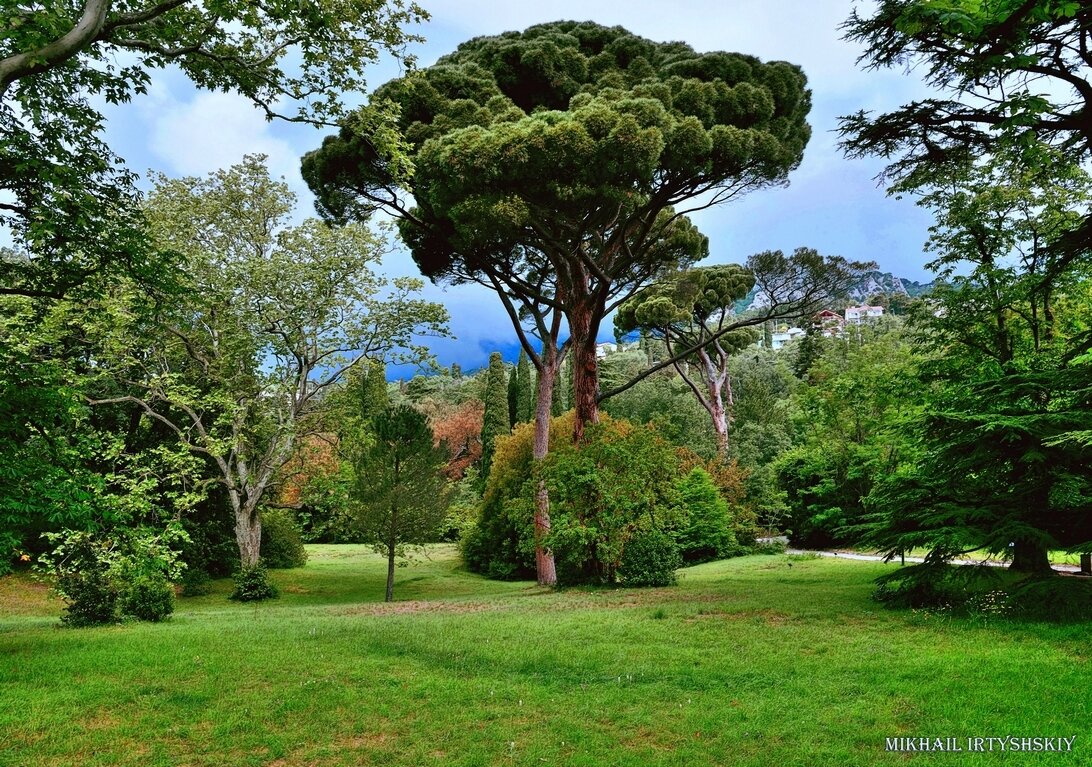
748, 662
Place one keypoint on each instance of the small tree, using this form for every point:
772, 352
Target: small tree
400, 488
707, 533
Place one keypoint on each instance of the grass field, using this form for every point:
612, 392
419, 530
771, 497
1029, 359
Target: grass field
747, 662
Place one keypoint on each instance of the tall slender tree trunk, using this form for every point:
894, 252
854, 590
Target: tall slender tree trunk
547, 375
583, 328
390, 571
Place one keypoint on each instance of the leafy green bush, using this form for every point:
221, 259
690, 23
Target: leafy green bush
282, 544
101, 574
707, 532
196, 582
650, 558
85, 582
619, 481
253, 584
147, 598
769, 546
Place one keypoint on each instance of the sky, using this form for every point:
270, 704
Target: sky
832, 204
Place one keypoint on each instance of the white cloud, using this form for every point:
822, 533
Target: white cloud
213, 131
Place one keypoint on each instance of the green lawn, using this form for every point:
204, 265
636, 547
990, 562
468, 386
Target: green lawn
746, 662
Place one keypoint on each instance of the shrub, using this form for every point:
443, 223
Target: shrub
462, 511
196, 582
618, 481
102, 574
935, 585
650, 558
252, 584
85, 583
282, 544
1052, 598
707, 532
769, 546
148, 598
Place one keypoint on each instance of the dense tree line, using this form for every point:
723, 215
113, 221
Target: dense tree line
179, 365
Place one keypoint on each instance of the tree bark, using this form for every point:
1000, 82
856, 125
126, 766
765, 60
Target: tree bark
392, 533
390, 572
720, 420
544, 558
1030, 557
583, 327
248, 530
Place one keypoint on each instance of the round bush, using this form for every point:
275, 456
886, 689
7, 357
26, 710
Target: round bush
282, 543
91, 597
148, 598
650, 558
196, 582
252, 584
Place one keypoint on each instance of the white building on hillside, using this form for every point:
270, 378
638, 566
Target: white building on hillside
780, 338
857, 314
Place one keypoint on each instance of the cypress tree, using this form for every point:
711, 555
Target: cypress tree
513, 397
495, 421
525, 396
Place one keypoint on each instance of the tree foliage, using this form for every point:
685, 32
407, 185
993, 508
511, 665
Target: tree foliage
603, 492
549, 165
1009, 383
274, 316
1015, 70
68, 202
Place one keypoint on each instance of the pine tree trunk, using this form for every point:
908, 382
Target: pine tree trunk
585, 369
1030, 557
544, 558
390, 572
392, 535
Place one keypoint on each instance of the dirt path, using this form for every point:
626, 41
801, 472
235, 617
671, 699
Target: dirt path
1062, 568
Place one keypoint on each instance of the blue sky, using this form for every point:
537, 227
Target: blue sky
831, 204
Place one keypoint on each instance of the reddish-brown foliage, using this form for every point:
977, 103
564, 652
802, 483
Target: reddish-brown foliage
315, 455
459, 427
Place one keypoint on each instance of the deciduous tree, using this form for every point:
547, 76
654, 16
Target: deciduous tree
68, 202
694, 313
275, 315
